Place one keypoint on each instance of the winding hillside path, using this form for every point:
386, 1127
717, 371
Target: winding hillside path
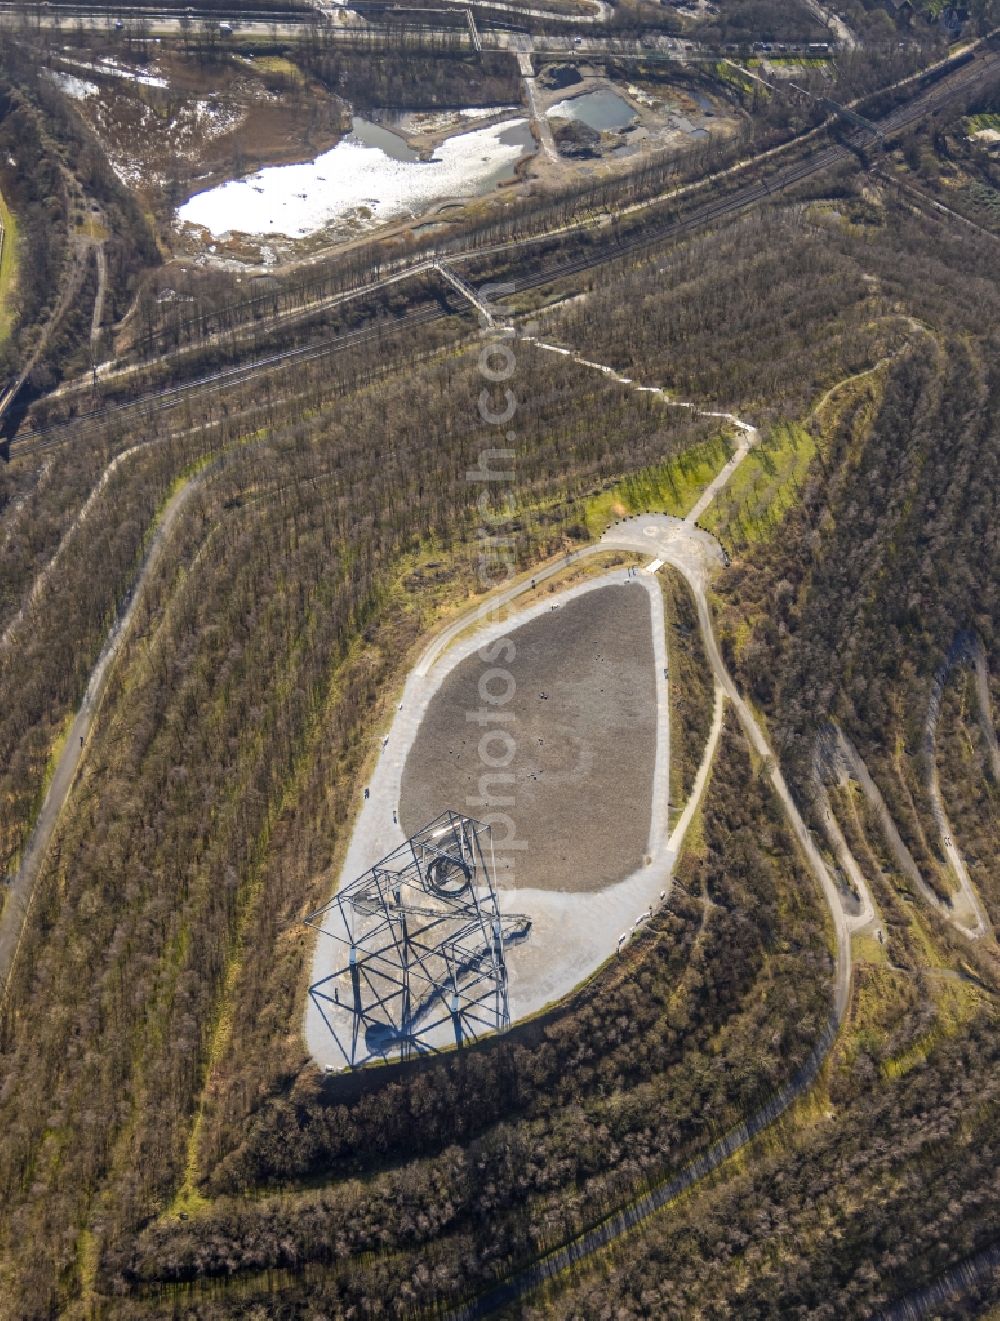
985, 711
977, 924
14, 914
966, 917
689, 550
842, 852
748, 433
697, 555
670, 540
42, 577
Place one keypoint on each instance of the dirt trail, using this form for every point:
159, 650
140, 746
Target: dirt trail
45, 573
985, 711
858, 769
842, 852
970, 903
19, 897
842, 986
748, 433
701, 778
13, 512
97, 316
72, 282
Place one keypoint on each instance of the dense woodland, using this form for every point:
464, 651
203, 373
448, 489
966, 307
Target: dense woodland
392, 78
887, 554
59, 185
162, 1132
691, 688
204, 303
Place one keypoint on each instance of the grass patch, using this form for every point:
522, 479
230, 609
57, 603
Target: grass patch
90, 227
987, 120
691, 689
985, 198
56, 752
671, 487
764, 487
800, 61
955, 1002
729, 72
8, 270
866, 949
279, 66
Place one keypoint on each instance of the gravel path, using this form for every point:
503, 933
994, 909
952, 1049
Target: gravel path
966, 911
15, 910
572, 933
694, 552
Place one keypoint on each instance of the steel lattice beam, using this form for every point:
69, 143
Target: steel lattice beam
424, 941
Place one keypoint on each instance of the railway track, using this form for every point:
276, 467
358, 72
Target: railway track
975, 70
161, 400
155, 13
217, 324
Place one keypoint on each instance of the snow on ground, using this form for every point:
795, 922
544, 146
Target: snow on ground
482, 111
214, 118
644, 98
297, 200
77, 88
112, 69
437, 121
133, 75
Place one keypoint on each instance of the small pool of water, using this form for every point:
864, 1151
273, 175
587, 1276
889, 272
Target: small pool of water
374, 135
601, 110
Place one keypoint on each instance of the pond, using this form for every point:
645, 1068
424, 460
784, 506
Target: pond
601, 110
371, 175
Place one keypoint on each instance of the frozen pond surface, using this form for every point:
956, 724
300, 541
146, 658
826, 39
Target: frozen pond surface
372, 174
600, 110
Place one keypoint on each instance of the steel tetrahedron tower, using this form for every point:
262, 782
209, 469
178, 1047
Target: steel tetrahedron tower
421, 938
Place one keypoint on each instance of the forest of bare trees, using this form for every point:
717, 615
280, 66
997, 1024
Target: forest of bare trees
166, 1145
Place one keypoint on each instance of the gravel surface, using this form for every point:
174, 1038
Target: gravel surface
582, 721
